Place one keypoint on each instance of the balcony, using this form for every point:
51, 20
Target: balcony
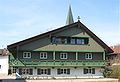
55, 63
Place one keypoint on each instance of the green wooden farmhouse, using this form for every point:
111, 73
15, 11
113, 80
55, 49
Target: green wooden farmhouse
71, 51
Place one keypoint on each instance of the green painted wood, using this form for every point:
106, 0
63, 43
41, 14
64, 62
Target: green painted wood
68, 50
46, 45
56, 63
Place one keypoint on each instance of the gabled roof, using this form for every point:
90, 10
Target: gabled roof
49, 33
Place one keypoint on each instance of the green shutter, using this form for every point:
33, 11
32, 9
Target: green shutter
58, 71
85, 71
49, 71
38, 72
93, 70
20, 71
31, 72
68, 71
86, 40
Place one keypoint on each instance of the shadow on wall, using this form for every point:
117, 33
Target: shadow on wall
12, 80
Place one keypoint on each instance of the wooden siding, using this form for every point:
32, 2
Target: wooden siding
70, 55
36, 55
95, 56
45, 43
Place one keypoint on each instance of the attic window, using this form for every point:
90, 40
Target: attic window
70, 40
26, 54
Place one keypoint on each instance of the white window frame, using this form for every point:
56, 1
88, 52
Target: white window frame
25, 71
80, 41
72, 41
43, 55
25, 54
88, 56
63, 71
63, 56
89, 70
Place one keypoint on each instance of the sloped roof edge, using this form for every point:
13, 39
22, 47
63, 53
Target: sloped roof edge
79, 24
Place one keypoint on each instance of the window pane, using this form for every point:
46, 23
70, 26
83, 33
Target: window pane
58, 71
72, 41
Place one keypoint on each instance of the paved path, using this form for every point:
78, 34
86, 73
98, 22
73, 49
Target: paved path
65, 80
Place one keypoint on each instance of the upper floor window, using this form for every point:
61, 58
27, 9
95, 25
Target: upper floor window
43, 55
88, 55
63, 55
69, 40
26, 54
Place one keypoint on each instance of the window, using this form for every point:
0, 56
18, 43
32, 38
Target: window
88, 55
43, 71
63, 55
72, 41
80, 41
14, 69
89, 70
26, 54
64, 40
63, 71
26, 71
43, 55
69, 40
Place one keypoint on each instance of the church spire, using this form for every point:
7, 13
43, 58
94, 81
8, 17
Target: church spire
69, 16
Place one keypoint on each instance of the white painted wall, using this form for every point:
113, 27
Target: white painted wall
4, 65
74, 73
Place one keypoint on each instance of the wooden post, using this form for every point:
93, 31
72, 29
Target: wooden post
54, 55
76, 55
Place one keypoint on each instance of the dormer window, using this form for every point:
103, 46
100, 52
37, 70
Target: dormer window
88, 55
63, 55
69, 40
72, 41
43, 55
80, 41
26, 54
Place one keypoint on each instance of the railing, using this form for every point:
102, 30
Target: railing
76, 63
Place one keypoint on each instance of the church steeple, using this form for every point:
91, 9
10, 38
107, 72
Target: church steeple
69, 16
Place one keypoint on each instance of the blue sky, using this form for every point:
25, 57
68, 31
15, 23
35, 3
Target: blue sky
22, 19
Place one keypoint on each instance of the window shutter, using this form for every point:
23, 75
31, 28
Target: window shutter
31, 72
84, 71
68, 71
93, 70
38, 72
68, 40
86, 40
20, 71
49, 71
58, 71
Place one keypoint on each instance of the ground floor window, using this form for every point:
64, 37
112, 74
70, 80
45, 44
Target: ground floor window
43, 71
89, 70
25, 71
14, 69
63, 71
